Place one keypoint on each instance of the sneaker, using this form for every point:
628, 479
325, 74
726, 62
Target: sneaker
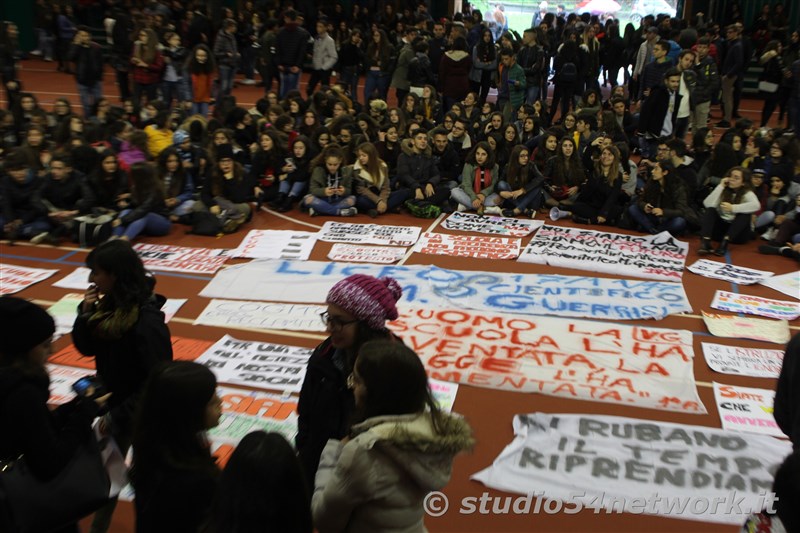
533, 213
769, 250
509, 213
35, 52
373, 213
723, 124
311, 212
493, 210
462, 208
248, 81
769, 235
39, 238
348, 212
705, 247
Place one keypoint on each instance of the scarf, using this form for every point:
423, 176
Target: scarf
111, 325
483, 178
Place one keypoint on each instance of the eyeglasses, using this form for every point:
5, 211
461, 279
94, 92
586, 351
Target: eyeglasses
335, 323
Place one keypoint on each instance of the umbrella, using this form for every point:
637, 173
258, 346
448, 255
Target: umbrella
598, 7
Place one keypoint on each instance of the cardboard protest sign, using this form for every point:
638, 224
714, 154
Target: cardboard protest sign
276, 244
334, 231
746, 409
245, 411
262, 315
788, 284
15, 278
429, 286
652, 256
638, 366
361, 253
755, 362
754, 305
468, 246
257, 364
726, 272
513, 227
181, 259
639, 466
758, 329
78, 279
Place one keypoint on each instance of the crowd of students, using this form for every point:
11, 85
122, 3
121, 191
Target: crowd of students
160, 158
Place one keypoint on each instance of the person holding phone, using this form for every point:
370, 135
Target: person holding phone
47, 439
727, 215
121, 325
331, 187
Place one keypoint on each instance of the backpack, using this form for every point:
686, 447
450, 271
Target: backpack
206, 223
92, 230
569, 72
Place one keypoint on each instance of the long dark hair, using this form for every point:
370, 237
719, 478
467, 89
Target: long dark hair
517, 175
569, 170
395, 381
144, 182
170, 421
194, 67
178, 178
486, 51
735, 196
261, 489
490, 160
132, 284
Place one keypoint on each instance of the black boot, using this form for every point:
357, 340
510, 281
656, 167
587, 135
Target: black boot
705, 246
723, 247
278, 201
285, 205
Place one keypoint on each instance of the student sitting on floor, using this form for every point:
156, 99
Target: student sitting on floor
728, 209
23, 215
331, 187
147, 212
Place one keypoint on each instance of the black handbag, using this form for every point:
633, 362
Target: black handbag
28, 505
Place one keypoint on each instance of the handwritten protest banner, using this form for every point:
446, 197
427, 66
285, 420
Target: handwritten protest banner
262, 315
639, 366
244, 411
513, 227
78, 279
369, 233
788, 284
758, 329
755, 362
257, 364
639, 466
652, 256
15, 278
183, 349
754, 305
746, 409
429, 286
468, 246
360, 253
726, 272
61, 380
276, 244
181, 259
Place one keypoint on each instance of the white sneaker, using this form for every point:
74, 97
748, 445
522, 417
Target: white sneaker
348, 212
769, 234
39, 238
248, 81
493, 210
462, 208
311, 212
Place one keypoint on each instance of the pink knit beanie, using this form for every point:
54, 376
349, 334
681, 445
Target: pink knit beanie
369, 299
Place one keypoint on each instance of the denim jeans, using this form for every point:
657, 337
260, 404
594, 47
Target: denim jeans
653, 224
532, 198
349, 78
44, 43
200, 108
292, 189
459, 195
89, 94
289, 82
226, 74
396, 199
325, 207
375, 80
532, 94
150, 224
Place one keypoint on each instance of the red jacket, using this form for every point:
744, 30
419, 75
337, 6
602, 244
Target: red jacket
151, 73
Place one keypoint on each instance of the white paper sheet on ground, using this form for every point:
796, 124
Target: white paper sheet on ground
575, 359
746, 409
78, 279
171, 307
476, 247
181, 259
276, 244
642, 465
512, 227
15, 278
788, 284
726, 272
652, 256
362, 253
61, 380
755, 362
257, 364
432, 287
262, 315
759, 329
64, 312
755, 305
334, 231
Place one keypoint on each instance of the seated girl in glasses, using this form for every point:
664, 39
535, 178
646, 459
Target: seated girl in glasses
358, 308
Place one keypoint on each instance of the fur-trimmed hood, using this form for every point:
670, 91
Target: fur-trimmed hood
416, 446
407, 146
